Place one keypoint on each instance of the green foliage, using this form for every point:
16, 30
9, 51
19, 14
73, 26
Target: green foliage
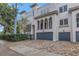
18, 28
15, 37
8, 15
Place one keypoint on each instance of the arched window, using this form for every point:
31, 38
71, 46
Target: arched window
41, 24
50, 23
77, 19
46, 24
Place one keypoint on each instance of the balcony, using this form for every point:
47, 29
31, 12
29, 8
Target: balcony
47, 14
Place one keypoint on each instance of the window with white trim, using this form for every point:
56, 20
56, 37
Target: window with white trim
63, 9
46, 24
64, 22
50, 23
61, 22
38, 25
41, 24
77, 19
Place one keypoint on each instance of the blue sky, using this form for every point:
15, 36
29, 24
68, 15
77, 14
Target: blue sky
24, 6
1, 28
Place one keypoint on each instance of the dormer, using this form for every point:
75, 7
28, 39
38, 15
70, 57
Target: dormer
23, 14
34, 6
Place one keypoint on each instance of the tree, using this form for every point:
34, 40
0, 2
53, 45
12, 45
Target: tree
22, 25
16, 12
7, 17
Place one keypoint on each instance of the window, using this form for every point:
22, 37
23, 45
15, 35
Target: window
61, 22
63, 9
77, 19
33, 12
60, 9
41, 12
41, 24
50, 23
38, 25
46, 24
47, 10
65, 21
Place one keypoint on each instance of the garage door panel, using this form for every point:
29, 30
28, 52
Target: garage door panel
45, 36
64, 36
77, 36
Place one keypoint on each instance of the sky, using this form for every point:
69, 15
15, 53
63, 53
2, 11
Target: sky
22, 7
26, 6
1, 28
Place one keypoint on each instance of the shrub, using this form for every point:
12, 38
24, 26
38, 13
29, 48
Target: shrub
15, 37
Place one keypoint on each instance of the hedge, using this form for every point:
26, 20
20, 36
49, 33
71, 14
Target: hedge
15, 37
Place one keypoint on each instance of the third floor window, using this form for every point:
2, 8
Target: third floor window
77, 19
63, 9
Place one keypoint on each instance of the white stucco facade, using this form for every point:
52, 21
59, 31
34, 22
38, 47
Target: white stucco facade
47, 11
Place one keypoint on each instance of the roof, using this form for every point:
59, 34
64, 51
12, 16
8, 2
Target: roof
33, 5
73, 8
22, 12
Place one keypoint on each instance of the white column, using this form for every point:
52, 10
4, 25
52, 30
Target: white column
48, 22
43, 25
73, 27
55, 28
35, 30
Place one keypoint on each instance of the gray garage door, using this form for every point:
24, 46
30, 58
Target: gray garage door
64, 36
45, 36
77, 36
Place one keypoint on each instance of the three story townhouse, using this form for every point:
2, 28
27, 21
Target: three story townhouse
55, 21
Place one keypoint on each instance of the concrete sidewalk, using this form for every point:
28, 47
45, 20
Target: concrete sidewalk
30, 51
5, 51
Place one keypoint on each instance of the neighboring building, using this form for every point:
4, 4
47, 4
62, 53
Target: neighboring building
24, 24
55, 21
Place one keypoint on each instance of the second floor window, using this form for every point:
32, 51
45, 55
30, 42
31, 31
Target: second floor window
61, 22
41, 24
46, 24
50, 23
65, 21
